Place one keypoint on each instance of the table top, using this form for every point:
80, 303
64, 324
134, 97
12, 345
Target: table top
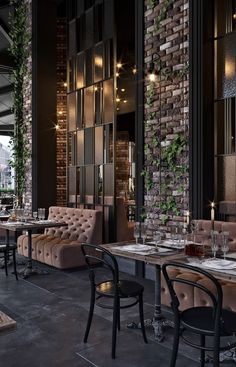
19, 226
154, 258
118, 249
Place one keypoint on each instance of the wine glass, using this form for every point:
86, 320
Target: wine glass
143, 232
194, 228
225, 242
35, 215
157, 237
136, 231
174, 234
214, 242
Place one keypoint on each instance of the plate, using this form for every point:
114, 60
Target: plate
219, 264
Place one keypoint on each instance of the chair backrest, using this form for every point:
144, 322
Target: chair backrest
211, 288
84, 225
96, 255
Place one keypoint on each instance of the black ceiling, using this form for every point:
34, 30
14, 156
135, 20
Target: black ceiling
6, 64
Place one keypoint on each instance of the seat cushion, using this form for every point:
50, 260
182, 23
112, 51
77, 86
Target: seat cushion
127, 288
198, 319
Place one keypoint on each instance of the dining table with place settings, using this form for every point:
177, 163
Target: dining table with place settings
154, 255
166, 251
29, 227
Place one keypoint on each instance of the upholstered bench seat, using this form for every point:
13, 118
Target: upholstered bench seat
61, 247
194, 297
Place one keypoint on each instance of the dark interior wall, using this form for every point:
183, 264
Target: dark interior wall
44, 103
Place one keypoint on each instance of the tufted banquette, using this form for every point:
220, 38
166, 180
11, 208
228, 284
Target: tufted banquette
189, 296
61, 247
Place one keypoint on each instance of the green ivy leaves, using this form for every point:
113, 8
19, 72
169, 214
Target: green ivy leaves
19, 49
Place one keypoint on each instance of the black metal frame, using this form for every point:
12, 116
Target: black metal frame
201, 116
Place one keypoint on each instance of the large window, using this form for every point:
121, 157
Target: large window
6, 172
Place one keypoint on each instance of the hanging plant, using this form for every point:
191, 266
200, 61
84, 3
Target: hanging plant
19, 49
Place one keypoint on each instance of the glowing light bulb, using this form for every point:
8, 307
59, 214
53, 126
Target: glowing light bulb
64, 84
123, 90
119, 65
152, 77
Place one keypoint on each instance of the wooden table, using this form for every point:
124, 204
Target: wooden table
158, 321
29, 227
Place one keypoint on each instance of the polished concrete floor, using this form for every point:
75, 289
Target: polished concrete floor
51, 312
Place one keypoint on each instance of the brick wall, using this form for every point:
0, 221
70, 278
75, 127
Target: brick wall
27, 113
166, 111
61, 112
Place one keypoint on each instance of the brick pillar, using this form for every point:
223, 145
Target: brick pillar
166, 110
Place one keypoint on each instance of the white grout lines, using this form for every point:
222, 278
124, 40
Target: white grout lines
92, 364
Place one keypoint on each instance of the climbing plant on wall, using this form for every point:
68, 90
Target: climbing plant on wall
19, 49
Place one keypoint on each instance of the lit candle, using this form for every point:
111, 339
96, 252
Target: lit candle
187, 218
212, 211
212, 214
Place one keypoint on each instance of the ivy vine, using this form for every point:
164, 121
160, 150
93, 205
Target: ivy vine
19, 49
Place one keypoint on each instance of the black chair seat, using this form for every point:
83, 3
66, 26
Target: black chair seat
10, 247
117, 291
201, 320
7, 251
127, 288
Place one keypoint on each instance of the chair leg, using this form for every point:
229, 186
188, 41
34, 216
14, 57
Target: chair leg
118, 315
90, 317
5, 262
202, 343
114, 326
142, 317
175, 347
216, 352
14, 264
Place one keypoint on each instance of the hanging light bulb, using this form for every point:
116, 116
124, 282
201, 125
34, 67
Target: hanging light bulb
119, 65
134, 70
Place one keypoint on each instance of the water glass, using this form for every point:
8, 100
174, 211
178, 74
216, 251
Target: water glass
157, 237
35, 215
214, 242
41, 213
174, 231
225, 242
143, 232
136, 231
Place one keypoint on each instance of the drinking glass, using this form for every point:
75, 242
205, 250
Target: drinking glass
136, 231
225, 242
41, 213
214, 242
157, 237
35, 215
143, 232
194, 228
174, 231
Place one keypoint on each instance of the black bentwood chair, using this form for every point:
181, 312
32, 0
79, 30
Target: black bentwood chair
7, 251
113, 288
205, 321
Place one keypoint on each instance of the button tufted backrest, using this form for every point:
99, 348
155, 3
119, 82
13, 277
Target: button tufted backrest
84, 225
